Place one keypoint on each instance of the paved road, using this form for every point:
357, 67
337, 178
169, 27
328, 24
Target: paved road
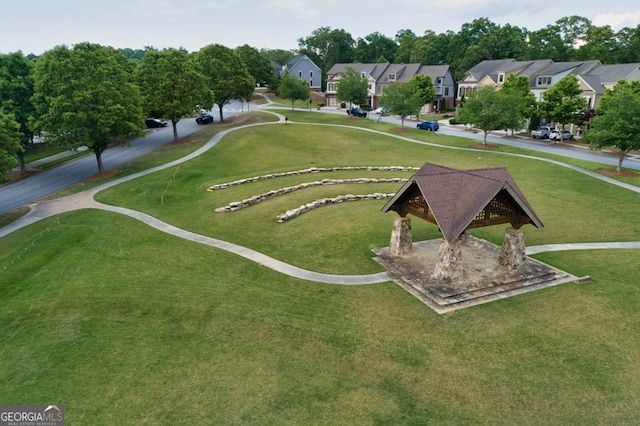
34, 187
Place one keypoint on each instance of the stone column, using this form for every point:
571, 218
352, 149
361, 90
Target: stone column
401, 240
449, 265
513, 252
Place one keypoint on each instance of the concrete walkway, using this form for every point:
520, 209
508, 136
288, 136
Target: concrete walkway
85, 200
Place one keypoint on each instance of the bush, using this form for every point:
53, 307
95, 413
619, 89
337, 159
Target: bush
343, 104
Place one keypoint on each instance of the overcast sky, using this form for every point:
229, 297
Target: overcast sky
38, 25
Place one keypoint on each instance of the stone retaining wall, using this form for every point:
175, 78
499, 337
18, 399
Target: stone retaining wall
237, 205
312, 170
290, 214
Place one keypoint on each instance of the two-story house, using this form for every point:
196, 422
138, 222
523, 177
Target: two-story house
305, 69
603, 77
380, 75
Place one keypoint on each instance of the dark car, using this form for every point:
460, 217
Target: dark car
358, 112
204, 118
429, 125
152, 123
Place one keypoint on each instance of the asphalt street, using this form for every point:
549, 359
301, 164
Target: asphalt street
25, 191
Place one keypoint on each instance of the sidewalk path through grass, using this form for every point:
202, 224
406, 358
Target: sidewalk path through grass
85, 200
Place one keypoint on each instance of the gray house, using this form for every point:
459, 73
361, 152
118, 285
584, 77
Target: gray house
304, 68
380, 75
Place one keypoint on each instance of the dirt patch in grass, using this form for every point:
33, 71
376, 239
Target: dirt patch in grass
487, 147
400, 129
623, 173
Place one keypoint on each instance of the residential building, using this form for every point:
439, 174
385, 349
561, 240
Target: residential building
380, 75
305, 69
602, 77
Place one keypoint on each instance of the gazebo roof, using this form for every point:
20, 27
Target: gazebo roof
456, 200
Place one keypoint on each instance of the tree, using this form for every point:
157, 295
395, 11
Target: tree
373, 47
563, 103
328, 46
16, 90
352, 87
293, 89
172, 85
258, 65
405, 40
401, 99
617, 120
86, 96
9, 142
485, 109
424, 88
523, 101
227, 75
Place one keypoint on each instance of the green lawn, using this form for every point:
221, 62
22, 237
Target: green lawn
123, 324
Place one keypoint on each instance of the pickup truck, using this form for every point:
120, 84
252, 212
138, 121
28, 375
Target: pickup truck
543, 132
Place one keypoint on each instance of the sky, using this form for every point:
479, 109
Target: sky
39, 25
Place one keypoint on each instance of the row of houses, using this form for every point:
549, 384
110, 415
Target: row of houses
593, 77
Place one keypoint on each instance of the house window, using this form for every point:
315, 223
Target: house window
310, 83
438, 80
300, 74
370, 87
392, 77
501, 77
446, 91
363, 75
311, 74
544, 80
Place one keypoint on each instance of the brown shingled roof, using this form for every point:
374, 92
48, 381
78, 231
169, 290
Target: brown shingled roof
456, 199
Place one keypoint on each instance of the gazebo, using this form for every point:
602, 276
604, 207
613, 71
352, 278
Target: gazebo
456, 201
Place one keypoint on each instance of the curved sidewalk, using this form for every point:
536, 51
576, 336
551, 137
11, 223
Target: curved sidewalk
85, 200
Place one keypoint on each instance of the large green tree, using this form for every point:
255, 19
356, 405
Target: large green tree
171, 85
563, 103
617, 120
293, 89
327, 47
9, 142
352, 87
423, 87
16, 90
258, 64
227, 75
516, 91
373, 47
86, 96
401, 99
486, 109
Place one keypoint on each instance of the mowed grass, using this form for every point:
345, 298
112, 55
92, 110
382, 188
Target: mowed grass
123, 324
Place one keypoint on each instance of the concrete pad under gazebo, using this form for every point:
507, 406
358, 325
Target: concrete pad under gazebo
456, 201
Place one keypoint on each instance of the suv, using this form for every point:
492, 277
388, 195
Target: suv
204, 118
358, 112
153, 123
429, 125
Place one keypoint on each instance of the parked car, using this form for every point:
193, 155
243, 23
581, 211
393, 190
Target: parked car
358, 112
381, 111
152, 123
555, 135
543, 132
204, 118
429, 125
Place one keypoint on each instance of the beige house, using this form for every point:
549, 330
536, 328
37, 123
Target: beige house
381, 75
593, 77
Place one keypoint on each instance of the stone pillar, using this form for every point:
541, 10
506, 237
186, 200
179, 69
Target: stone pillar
401, 240
449, 265
513, 252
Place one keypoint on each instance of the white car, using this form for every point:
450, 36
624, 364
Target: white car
555, 135
381, 111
